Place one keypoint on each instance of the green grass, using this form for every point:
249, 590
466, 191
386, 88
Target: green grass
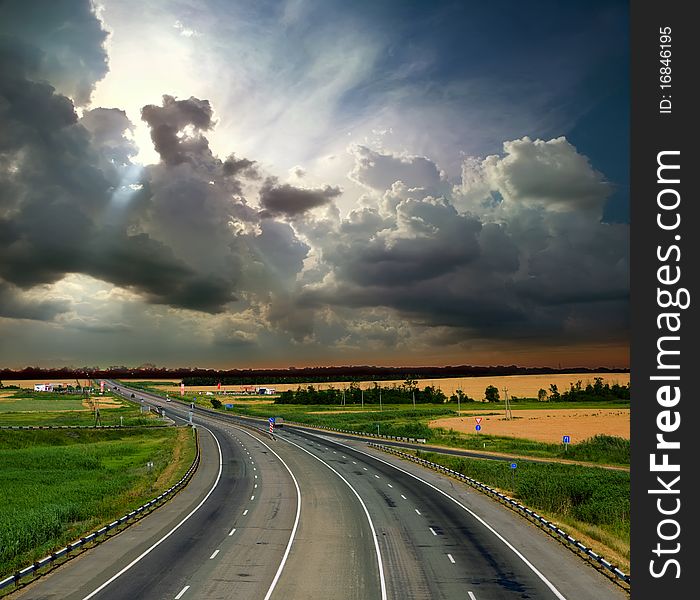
58, 485
26, 407
591, 500
406, 421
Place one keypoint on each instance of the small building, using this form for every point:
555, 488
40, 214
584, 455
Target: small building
265, 391
43, 387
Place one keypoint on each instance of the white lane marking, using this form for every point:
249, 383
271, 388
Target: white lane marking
471, 596
404, 497
214, 555
365, 468
245, 512
417, 511
173, 530
391, 486
296, 518
532, 567
256, 477
344, 456
256, 485
232, 532
353, 462
432, 531
252, 497
382, 582
182, 592
377, 476
452, 560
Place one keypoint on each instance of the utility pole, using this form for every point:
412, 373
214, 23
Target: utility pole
509, 412
362, 398
380, 399
414, 398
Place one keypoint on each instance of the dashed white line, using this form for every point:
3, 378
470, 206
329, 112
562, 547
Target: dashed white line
417, 511
452, 560
515, 551
245, 512
173, 530
252, 497
404, 497
471, 596
214, 554
232, 532
391, 486
365, 468
382, 581
377, 476
256, 485
353, 462
182, 592
432, 531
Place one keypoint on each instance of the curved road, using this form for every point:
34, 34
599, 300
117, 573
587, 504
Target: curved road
305, 515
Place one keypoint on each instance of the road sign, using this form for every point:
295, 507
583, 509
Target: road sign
478, 427
567, 439
513, 465
478, 420
272, 424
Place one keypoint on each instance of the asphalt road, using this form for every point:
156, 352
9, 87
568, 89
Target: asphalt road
303, 515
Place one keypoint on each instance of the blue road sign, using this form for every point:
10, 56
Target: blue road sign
272, 420
478, 427
513, 465
567, 439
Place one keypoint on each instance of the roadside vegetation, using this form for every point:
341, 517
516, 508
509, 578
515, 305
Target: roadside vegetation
591, 503
56, 485
19, 406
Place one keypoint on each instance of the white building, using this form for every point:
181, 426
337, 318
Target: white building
265, 391
43, 387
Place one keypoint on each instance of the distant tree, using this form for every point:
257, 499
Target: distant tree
491, 394
554, 392
542, 395
216, 403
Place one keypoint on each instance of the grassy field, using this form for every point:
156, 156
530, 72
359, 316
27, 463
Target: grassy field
408, 421
26, 407
591, 503
58, 485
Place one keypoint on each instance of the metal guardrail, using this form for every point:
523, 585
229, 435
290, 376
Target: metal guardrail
397, 438
93, 537
551, 527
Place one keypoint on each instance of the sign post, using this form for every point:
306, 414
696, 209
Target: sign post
567, 440
271, 420
513, 466
478, 424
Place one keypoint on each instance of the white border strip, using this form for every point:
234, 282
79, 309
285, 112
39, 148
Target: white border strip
173, 530
296, 519
532, 567
382, 582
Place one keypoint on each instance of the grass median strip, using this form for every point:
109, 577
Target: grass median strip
56, 485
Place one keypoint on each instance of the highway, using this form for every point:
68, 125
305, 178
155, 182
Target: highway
306, 515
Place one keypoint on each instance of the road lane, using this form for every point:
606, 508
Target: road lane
419, 564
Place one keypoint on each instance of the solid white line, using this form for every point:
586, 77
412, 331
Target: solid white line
232, 532
214, 555
245, 512
417, 511
471, 596
182, 592
173, 530
452, 560
296, 518
532, 567
382, 582
432, 531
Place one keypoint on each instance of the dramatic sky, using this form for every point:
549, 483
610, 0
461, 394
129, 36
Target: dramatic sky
238, 183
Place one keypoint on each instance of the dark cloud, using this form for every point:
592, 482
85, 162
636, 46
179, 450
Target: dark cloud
290, 201
62, 34
233, 167
168, 121
15, 304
